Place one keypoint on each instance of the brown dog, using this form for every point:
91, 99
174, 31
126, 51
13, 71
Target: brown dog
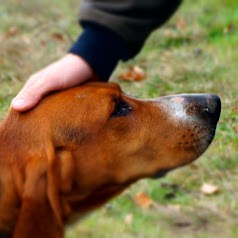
80, 147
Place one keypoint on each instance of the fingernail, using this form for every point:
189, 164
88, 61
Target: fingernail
18, 103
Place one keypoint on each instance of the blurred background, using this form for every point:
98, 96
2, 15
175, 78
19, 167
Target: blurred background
195, 52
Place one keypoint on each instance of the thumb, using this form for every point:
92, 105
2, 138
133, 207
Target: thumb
26, 100
30, 94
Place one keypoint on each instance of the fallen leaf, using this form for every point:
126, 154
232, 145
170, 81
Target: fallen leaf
134, 73
1, 61
235, 128
129, 219
143, 200
58, 36
235, 109
12, 31
175, 208
27, 40
181, 24
209, 189
229, 28
170, 34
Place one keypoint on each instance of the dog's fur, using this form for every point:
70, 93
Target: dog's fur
80, 147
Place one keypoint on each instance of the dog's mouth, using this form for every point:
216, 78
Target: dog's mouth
197, 138
161, 174
196, 117
191, 146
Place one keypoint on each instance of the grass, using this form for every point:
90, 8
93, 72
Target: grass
196, 51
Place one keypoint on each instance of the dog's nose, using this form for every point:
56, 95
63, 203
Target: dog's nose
207, 106
204, 106
214, 107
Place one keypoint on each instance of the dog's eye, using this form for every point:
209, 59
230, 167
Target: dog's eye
121, 109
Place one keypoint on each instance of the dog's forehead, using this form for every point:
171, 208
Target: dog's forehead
95, 90
103, 85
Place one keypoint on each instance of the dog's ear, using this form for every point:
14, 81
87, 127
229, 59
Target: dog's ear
60, 177
36, 215
47, 176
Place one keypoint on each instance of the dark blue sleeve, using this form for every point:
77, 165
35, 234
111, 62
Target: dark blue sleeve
101, 48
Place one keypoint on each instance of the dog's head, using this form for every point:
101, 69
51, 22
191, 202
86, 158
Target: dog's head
113, 134
98, 140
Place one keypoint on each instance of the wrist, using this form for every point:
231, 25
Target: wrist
101, 49
79, 64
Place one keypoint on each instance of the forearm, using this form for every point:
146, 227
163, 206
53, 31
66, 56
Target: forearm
116, 30
133, 20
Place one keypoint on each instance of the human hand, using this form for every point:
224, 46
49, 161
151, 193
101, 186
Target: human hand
67, 72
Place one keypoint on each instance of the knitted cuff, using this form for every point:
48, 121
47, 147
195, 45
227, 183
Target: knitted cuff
101, 48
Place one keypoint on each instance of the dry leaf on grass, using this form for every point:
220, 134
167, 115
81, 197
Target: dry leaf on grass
1, 61
235, 128
181, 24
58, 36
129, 219
174, 207
12, 31
230, 28
209, 189
134, 73
170, 34
143, 200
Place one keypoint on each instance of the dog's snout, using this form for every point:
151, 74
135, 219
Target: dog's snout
203, 106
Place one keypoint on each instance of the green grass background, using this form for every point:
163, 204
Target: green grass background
196, 51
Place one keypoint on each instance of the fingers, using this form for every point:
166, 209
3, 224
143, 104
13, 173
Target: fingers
67, 72
24, 103
35, 88
30, 94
